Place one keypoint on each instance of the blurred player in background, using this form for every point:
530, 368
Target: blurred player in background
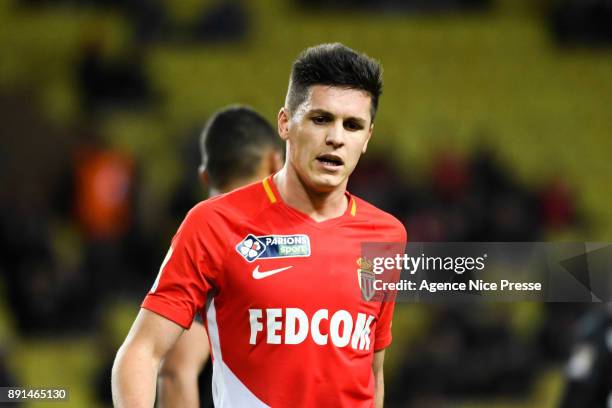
238, 147
274, 265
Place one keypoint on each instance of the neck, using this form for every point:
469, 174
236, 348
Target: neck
320, 206
215, 191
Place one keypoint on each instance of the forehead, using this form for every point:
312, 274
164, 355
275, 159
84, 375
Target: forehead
342, 102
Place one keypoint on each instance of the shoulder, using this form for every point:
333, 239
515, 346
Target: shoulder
380, 220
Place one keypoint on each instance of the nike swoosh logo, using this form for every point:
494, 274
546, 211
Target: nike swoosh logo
261, 275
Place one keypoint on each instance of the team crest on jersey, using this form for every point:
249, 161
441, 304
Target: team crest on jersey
366, 277
274, 246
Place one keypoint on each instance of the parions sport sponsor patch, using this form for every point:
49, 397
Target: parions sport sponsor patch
274, 246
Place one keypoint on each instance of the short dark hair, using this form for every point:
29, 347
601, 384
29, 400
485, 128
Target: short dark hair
333, 65
233, 142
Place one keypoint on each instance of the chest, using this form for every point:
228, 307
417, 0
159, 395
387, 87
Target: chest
293, 265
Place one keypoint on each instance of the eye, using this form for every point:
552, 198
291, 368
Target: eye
352, 126
320, 120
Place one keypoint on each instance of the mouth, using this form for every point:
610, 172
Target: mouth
330, 160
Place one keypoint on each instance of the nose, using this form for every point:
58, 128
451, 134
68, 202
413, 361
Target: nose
335, 135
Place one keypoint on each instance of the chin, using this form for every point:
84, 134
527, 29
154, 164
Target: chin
326, 183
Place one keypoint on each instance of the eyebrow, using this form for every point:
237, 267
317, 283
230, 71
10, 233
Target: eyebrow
360, 121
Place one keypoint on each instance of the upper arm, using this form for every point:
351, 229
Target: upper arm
137, 361
190, 353
152, 333
189, 270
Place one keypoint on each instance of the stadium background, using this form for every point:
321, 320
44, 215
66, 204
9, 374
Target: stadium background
494, 126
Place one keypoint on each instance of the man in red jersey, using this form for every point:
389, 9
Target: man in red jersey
274, 265
238, 147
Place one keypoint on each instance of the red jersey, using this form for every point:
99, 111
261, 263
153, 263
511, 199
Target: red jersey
281, 296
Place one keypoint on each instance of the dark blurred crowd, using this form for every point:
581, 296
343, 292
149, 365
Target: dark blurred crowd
150, 20
473, 199
572, 22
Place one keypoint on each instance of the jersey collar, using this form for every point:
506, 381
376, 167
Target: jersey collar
275, 198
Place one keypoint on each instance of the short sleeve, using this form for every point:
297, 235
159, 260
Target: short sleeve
382, 335
187, 273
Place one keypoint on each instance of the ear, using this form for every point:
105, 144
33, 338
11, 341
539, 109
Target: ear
365, 145
283, 123
203, 173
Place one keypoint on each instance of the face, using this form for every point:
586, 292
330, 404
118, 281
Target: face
326, 135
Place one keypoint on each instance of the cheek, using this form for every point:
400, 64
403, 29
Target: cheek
355, 155
305, 144
299, 153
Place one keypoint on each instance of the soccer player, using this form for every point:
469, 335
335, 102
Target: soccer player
238, 147
274, 265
